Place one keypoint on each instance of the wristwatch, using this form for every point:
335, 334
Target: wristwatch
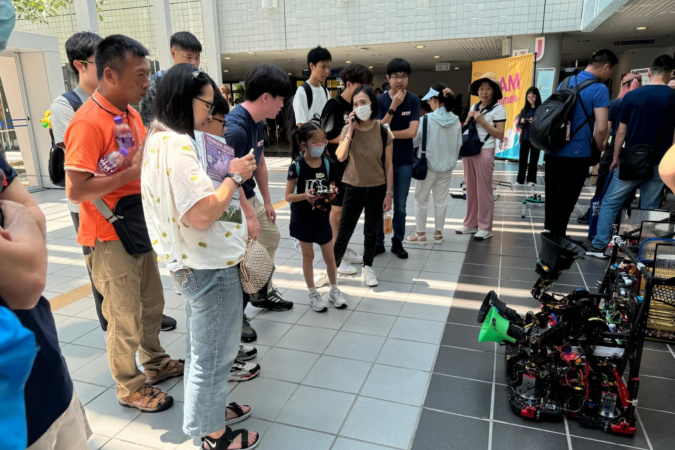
391, 111
236, 177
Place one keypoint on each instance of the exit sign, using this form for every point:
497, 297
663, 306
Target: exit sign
441, 67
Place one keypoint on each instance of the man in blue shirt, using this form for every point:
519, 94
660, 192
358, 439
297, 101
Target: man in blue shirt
646, 117
567, 169
399, 109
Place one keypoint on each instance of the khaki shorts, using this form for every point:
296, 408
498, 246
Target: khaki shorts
69, 432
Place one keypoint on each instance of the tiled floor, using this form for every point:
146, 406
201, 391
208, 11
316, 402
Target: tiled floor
400, 368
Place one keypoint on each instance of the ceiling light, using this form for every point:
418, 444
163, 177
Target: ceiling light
226, 71
370, 67
641, 28
436, 57
419, 46
348, 62
456, 68
290, 73
227, 57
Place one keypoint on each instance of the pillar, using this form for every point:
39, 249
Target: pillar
86, 15
161, 11
212, 40
552, 51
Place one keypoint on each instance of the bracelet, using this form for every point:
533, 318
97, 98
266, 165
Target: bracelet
389, 193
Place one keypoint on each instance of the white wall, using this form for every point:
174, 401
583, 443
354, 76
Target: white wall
636, 59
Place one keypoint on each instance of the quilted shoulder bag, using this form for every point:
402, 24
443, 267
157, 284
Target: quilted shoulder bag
256, 268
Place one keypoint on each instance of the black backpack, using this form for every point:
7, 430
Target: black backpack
551, 125
57, 156
289, 115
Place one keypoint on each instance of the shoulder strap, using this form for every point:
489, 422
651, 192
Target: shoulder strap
308, 94
105, 211
73, 100
424, 134
327, 165
578, 88
326, 92
383, 134
297, 175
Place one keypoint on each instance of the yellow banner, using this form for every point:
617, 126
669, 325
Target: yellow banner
515, 75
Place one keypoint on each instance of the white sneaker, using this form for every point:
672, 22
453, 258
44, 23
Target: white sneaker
321, 279
346, 268
317, 303
352, 257
466, 230
337, 299
369, 277
482, 235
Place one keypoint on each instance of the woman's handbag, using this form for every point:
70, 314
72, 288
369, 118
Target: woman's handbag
471, 143
420, 166
256, 268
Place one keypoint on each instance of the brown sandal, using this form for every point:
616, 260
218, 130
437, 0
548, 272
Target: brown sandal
151, 399
174, 368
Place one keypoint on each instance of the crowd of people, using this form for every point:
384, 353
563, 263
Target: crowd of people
353, 154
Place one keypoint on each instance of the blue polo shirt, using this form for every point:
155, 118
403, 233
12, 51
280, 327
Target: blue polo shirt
594, 96
243, 134
408, 111
648, 121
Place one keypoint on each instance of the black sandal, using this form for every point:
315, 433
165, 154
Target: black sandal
241, 416
226, 439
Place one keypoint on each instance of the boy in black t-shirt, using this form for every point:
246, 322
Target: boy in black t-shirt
333, 119
399, 109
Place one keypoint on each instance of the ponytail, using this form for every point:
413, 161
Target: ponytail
448, 101
303, 134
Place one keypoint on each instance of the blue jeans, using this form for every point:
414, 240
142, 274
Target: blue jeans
213, 307
402, 180
618, 191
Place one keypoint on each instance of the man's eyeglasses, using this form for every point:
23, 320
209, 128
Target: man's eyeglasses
85, 62
209, 104
399, 77
223, 121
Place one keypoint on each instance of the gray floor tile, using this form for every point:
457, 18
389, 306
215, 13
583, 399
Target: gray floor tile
658, 364
118, 444
339, 374
107, 417
508, 436
412, 355
422, 292
283, 437
659, 427
396, 384
87, 392
466, 363
77, 356
657, 393
366, 323
95, 338
376, 305
307, 408
290, 316
437, 430
266, 396
399, 275
97, 441
307, 339
381, 422
458, 395
424, 311
350, 444
333, 318
164, 430
287, 365
95, 371
638, 440
439, 255
417, 330
76, 307
355, 346
442, 267
441, 281
465, 337
75, 327
269, 332
587, 444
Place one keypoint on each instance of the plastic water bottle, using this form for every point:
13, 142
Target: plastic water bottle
112, 162
124, 136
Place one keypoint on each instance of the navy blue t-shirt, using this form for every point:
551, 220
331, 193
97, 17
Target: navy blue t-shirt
49, 388
647, 118
242, 135
614, 107
312, 178
525, 127
408, 111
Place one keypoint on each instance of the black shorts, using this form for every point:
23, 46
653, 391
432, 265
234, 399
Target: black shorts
314, 231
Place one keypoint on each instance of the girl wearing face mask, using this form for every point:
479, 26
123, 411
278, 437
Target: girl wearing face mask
368, 177
310, 189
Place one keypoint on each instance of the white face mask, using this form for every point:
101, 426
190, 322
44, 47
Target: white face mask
363, 112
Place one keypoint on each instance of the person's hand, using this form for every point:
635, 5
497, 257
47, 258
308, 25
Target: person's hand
479, 118
243, 166
397, 100
531, 119
471, 115
271, 213
134, 167
448, 91
352, 123
253, 227
522, 120
615, 164
19, 223
309, 196
386, 206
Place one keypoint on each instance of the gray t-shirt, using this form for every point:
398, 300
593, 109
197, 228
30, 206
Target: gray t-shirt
61, 114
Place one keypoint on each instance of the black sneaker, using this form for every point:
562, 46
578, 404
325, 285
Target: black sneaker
596, 252
248, 334
168, 323
273, 302
585, 218
398, 250
379, 250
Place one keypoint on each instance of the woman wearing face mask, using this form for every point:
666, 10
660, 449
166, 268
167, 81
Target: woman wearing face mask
197, 228
444, 138
489, 117
368, 177
532, 102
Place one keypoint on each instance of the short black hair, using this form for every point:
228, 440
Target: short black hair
663, 65
303, 134
447, 100
220, 105
356, 73
187, 41
373, 99
266, 78
317, 55
112, 52
397, 65
602, 57
80, 46
173, 103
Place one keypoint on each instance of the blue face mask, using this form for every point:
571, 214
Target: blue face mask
317, 151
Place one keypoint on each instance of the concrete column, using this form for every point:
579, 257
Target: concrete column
212, 40
552, 50
162, 14
85, 13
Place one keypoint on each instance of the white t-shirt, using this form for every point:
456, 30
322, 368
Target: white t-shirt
319, 99
496, 115
172, 181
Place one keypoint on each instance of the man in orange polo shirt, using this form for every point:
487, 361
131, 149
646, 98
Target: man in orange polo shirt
131, 284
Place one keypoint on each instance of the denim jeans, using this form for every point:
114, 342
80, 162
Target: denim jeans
213, 307
402, 180
650, 198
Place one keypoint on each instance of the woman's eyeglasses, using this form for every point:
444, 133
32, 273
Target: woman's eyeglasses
209, 104
223, 121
